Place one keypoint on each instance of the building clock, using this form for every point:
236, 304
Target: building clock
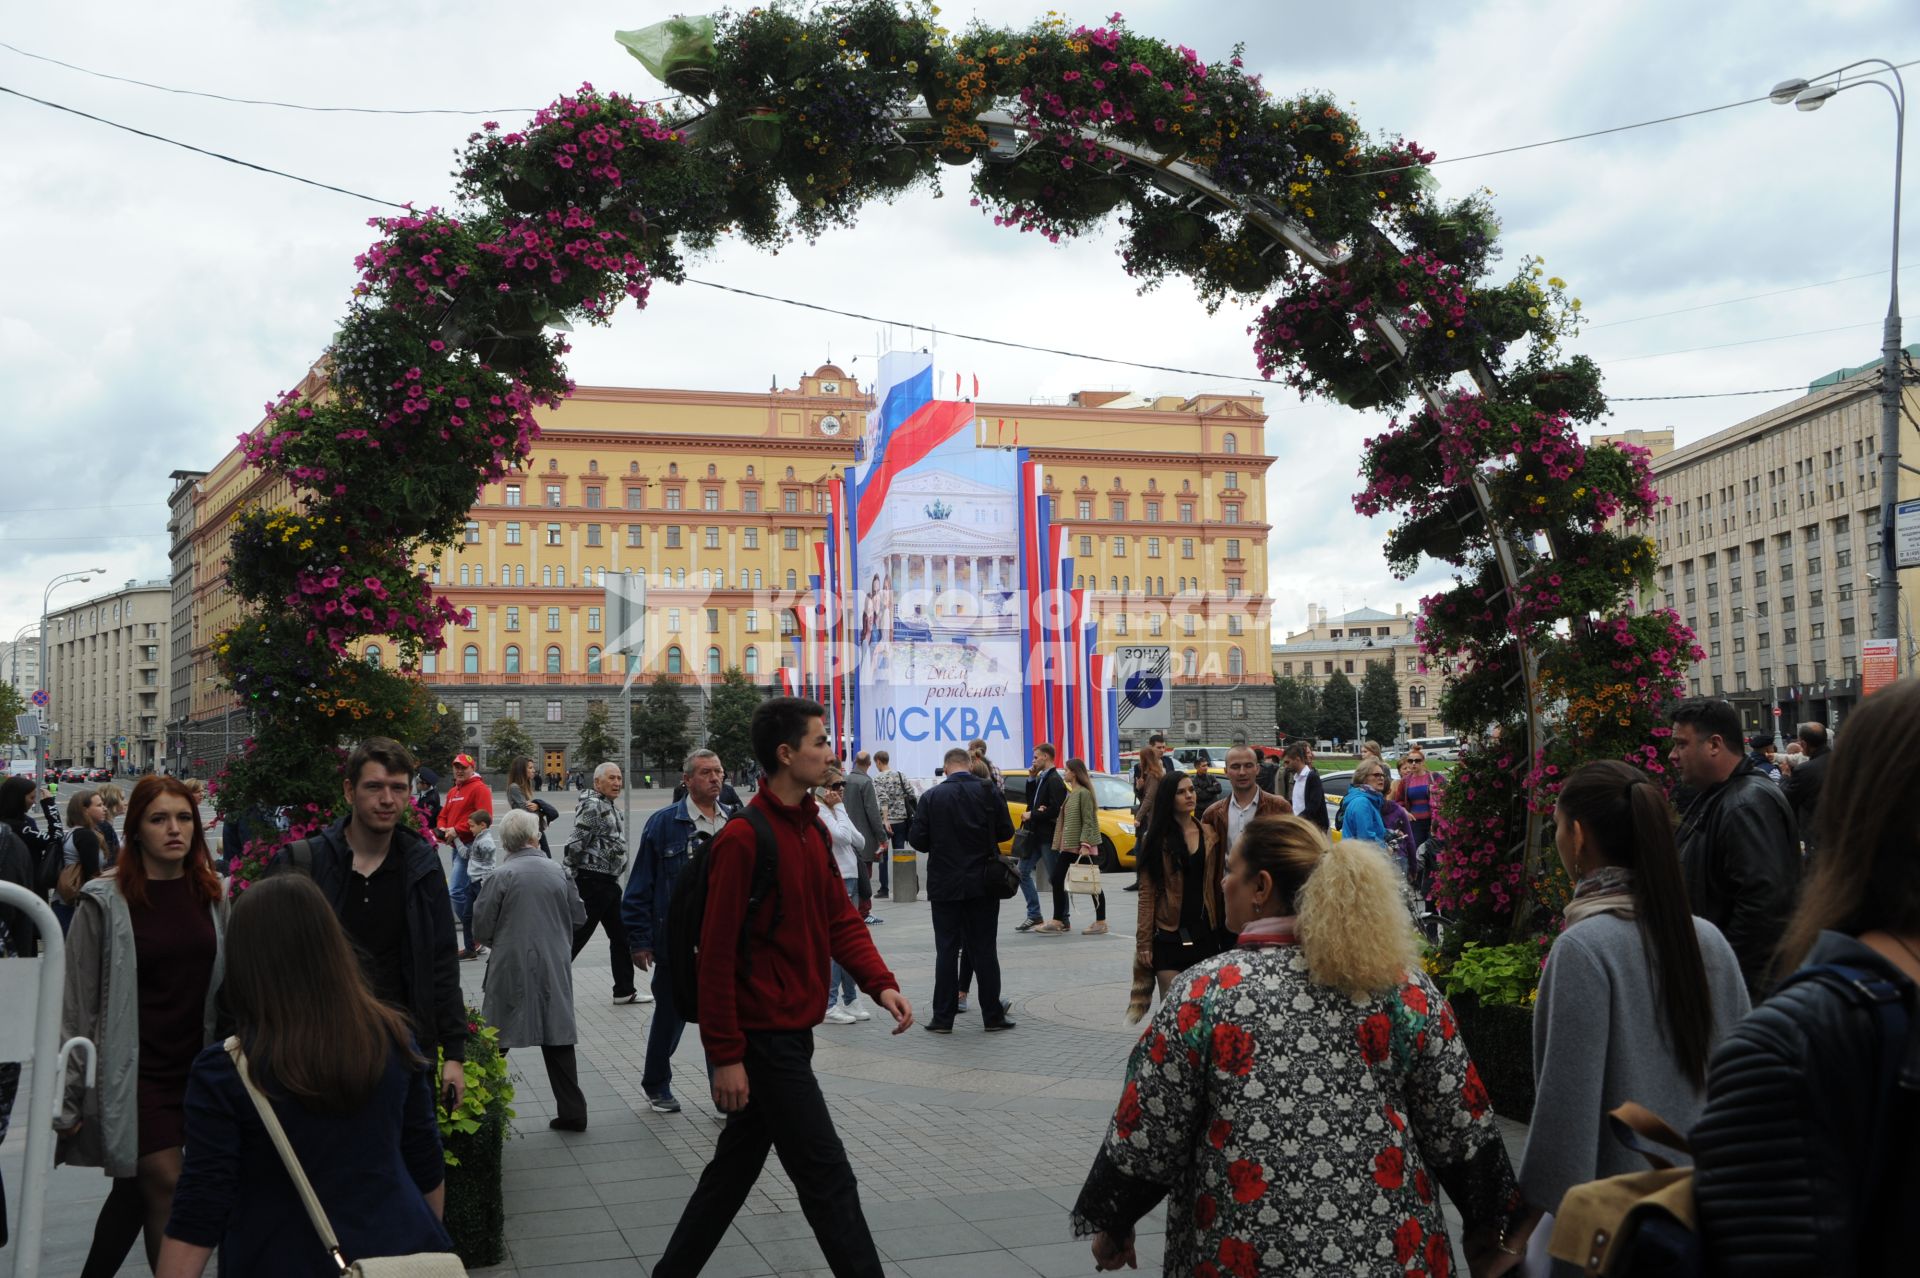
829, 425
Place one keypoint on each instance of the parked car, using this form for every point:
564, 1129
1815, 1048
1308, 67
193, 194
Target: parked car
1112, 795
100, 776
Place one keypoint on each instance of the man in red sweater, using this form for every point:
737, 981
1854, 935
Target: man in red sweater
756, 1021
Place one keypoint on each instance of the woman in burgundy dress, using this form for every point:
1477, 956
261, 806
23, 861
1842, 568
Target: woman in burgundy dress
144, 961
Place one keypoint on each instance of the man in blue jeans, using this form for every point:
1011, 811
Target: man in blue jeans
1046, 794
665, 844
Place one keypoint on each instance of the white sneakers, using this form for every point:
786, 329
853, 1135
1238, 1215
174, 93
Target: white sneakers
847, 1013
638, 996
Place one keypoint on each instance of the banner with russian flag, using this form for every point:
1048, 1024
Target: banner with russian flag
933, 603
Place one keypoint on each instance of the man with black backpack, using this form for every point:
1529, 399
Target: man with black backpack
764, 944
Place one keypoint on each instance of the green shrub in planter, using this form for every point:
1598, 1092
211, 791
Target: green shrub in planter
1499, 1037
474, 1137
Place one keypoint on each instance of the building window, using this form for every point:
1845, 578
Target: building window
713, 661
1186, 512
513, 618
751, 661
1189, 663
636, 498
1120, 623
1349, 666
673, 621
470, 710
554, 495
713, 539
1085, 508
1417, 697
1153, 547
513, 658
429, 663
786, 624
513, 533
553, 712
793, 580
593, 499
673, 499
790, 500
553, 534
1238, 707
1234, 625
593, 534
1236, 662
673, 660
513, 494
673, 536
1117, 509
633, 534
473, 532
466, 577
1188, 625
373, 655
750, 501
593, 659
593, 621
751, 539
553, 618
1230, 511
1153, 512
1156, 623
1119, 546
553, 658
1233, 548
1230, 443
709, 499
1186, 547
753, 622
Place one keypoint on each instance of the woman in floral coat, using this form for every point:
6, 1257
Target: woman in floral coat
1299, 1100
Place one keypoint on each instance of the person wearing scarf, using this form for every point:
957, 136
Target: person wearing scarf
1635, 995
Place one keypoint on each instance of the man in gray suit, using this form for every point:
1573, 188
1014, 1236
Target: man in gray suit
863, 805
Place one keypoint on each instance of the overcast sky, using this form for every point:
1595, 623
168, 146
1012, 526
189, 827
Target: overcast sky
151, 300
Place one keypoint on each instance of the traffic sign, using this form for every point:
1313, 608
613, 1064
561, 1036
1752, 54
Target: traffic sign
1906, 534
40, 698
1142, 672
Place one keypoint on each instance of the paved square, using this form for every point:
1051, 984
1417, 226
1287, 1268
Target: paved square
969, 1148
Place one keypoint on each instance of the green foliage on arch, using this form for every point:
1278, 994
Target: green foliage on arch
455, 336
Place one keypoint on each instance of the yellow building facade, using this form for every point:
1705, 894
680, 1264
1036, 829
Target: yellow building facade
718, 498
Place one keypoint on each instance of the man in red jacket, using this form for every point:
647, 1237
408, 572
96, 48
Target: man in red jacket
469, 794
756, 1020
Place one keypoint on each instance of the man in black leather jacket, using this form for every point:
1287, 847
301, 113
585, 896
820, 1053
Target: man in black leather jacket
1739, 847
960, 823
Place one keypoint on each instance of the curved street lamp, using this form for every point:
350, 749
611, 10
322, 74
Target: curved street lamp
40, 745
1811, 95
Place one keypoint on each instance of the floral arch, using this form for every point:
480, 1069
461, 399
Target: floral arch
1380, 295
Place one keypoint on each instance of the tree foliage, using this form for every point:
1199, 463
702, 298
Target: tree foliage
12, 705
1335, 721
597, 742
660, 725
1380, 701
445, 736
730, 719
507, 740
1296, 707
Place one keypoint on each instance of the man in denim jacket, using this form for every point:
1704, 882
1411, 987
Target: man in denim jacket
662, 854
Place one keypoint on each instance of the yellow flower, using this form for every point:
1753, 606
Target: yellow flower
1574, 304
1533, 312
1556, 281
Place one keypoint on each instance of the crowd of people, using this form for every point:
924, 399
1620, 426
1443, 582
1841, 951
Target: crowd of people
1741, 958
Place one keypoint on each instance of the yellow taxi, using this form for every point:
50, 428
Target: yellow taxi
1112, 795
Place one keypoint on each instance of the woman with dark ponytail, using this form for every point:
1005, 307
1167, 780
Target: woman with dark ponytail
1636, 994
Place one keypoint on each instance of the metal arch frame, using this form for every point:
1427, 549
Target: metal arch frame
1289, 233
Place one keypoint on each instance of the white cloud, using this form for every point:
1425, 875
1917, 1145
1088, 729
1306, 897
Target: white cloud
154, 299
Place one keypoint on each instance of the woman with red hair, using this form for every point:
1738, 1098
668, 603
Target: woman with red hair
145, 956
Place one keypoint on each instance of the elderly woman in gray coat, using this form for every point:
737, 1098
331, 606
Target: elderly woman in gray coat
527, 913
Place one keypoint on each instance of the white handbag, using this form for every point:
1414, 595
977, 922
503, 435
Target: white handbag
1083, 877
437, 1264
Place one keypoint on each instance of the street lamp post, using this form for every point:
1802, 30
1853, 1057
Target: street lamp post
1811, 95
40, 743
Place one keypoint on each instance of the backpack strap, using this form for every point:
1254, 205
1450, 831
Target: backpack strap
1860, 986
299, 857
765, 880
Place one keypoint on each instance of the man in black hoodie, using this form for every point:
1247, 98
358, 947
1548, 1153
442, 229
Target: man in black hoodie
1803, 786
385, 883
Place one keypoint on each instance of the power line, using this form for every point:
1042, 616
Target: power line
968, 337
291, 106
1750, 341
187, 146
38, 510
1648, 399
1578, 137
1751, 297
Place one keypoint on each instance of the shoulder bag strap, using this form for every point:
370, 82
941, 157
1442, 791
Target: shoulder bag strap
271, 1121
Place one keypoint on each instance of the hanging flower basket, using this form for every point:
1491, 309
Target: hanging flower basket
958, 156
1185, 230
757, 138
899, 166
